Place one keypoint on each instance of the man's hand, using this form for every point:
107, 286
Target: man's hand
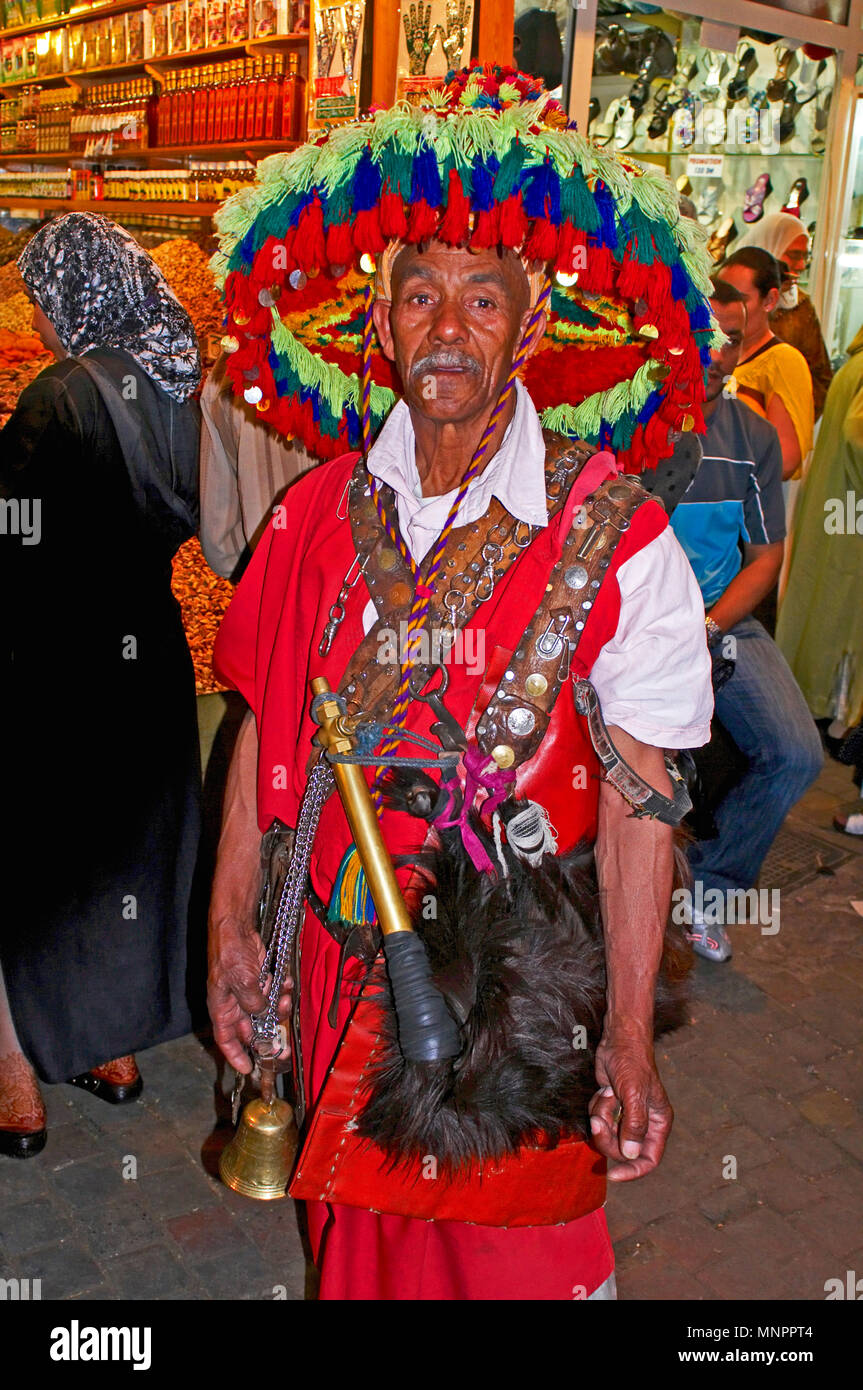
630, 1116
236, 952
233, 992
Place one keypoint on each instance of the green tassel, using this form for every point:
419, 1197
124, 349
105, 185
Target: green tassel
507, 175
576, 202
351, 900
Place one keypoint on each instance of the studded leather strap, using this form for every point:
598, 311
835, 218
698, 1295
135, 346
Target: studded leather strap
477, 556
517, 715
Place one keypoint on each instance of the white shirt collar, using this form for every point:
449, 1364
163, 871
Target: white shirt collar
515, 475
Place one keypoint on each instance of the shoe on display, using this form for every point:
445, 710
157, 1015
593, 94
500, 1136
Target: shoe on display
707, 204
684, 187
719, 242
665, 103
777, 87
604, 129
797, 195
849, 818
657, 47
683, 128
616, 52
809, 71
747, 62
624, 126
711, 941
753, 202
592, 112
715, 68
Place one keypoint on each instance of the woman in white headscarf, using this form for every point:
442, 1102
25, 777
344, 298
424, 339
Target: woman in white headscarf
794, 320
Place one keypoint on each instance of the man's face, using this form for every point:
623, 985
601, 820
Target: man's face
732, 320
742, 277
796, 254
453, 328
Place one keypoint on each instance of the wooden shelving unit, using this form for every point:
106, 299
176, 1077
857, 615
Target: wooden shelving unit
251, 150
80, 78
177, 209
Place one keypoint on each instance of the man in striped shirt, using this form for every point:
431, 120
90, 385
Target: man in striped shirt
731, 523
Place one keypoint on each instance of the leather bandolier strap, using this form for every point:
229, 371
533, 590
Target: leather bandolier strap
517, 716
477, 556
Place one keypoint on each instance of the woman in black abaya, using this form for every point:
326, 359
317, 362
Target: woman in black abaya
101, 784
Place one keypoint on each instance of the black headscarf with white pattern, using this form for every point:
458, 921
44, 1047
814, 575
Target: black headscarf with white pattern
99, 289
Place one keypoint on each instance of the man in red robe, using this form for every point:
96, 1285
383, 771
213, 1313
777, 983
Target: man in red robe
452, 322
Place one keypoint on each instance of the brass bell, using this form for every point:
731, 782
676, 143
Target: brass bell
259, 1158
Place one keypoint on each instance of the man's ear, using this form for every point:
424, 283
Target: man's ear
381, 319
539, 331
771, 300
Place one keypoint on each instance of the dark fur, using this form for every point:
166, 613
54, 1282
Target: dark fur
523, 960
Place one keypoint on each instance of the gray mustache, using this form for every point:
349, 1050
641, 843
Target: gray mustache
441, 361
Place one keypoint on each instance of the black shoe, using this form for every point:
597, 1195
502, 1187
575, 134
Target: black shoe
14, 1144
108, 1090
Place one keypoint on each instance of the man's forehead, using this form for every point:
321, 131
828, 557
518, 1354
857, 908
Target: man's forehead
438, 261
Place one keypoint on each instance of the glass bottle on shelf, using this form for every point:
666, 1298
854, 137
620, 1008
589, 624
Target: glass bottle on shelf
293, 102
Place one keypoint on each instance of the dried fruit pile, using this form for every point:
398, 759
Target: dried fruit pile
12, 244
186, 268
16, 312
203, 597
22, 358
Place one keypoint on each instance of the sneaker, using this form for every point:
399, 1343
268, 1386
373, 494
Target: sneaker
709, 940
849, 818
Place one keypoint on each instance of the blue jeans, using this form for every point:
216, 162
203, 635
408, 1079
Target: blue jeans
764, 712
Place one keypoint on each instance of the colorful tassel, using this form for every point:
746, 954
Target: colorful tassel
351, 900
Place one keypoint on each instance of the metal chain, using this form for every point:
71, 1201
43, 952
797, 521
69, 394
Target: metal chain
265, 1025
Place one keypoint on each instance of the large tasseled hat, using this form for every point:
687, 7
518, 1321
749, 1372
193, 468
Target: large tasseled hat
491, 160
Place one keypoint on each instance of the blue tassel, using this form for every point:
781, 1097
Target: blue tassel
425, 179
351, 900
482, 184
607, 221
540, 192
679, 281
367, 183
699, 318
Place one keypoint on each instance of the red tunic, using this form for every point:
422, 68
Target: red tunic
268, 649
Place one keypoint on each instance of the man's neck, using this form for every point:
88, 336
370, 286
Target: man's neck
752, 345
445, 450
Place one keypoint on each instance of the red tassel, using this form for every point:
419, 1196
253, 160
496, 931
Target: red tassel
423, 221
513, 222
598, 271
486, 233
340, 244
310, 244
393, 220
367, 231
455, 225
542, 243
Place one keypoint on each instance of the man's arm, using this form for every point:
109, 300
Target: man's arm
634, 860
761, 566
781, 421
236, 951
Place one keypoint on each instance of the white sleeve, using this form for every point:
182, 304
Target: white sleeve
653, 678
